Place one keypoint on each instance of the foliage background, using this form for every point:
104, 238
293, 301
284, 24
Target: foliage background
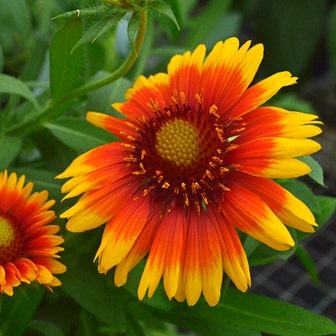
37, 70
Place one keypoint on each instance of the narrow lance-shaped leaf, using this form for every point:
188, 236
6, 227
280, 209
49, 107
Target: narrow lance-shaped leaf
100, 27
10, 148
252, 312
132, 28
163, 8
17, 311
12, 85
78, 134
90, 290
317, 172
66, 67
82, 12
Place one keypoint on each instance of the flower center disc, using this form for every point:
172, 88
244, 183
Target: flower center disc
11, 244
178, 142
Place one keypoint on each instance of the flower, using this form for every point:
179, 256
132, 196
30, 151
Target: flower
28, 242
195, 160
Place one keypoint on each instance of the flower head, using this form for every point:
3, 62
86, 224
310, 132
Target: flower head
195, 159
28, 242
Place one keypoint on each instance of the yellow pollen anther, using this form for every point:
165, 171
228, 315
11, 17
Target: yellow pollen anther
182, 97
208, 173
178, 142
193, 188
205, 200
223, 170
131, 125
213, 110
153, 105
186, 199
165, 185
222, 186
130, 159
199, 97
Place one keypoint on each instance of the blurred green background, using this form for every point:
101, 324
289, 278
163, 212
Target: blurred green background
298, 35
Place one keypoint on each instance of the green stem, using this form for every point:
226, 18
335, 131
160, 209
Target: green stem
121, 71
54, 105
145, 51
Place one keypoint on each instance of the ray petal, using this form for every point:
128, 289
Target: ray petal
250, 214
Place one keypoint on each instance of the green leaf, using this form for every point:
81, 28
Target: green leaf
317, 172
66, 67
164, 9
308, 263
264, 255
15, 23
88, 324
214, 12
43, 180
101, 99
18, 310
92, 292
10, 148
45, 328
1, 59
97, 10
303, 192
12, 85
276, 23
182, 9
327, 207
132, 28
290, 101
79, 134
254, 312
97, 29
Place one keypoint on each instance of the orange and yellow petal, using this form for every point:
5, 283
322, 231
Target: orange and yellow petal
269, 121
235, 262
98, 206
259, 93
165, 256
94, 159
141, 246
113, 125
118, 237
230, 68
248, 212
284, 204
28, 270
202, 270
272, 157
144, 97
184, 73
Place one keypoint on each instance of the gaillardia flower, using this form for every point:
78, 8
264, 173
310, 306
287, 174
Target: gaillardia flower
195, 160
28, 242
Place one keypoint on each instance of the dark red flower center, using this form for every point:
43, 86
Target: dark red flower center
181, 155
11, 240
